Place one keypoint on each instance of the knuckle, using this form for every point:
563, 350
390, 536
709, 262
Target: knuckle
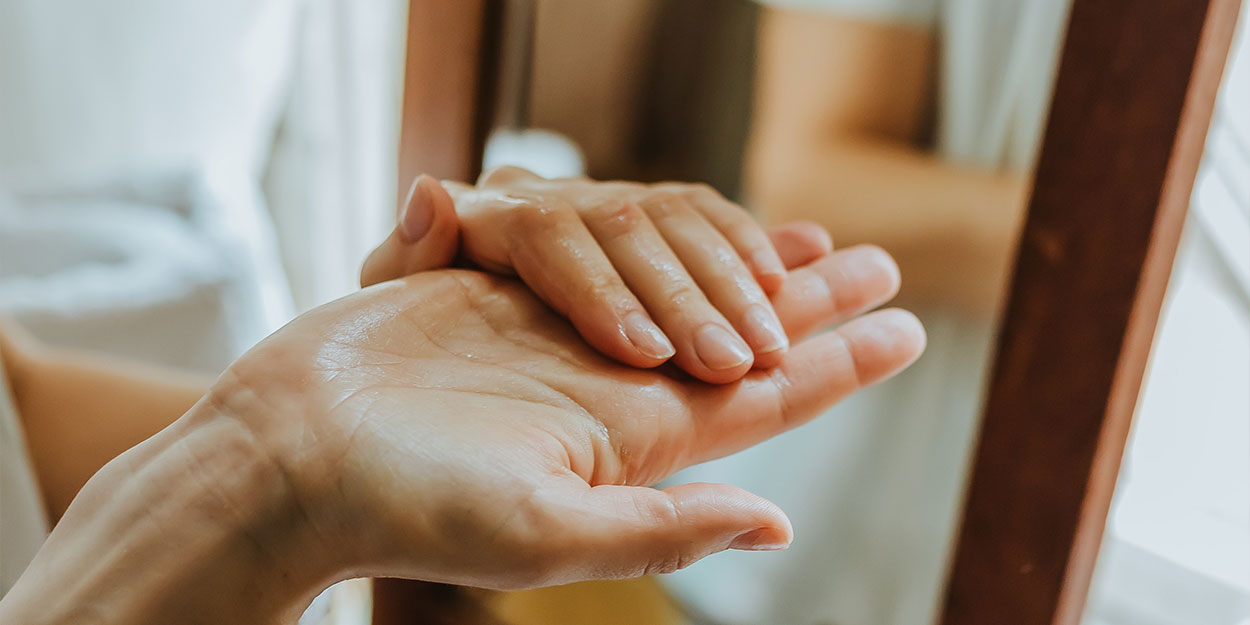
681, 295
701, 191
672, 560
664, 565
664, 205
540, 217
616, 218
502, 174
749, 236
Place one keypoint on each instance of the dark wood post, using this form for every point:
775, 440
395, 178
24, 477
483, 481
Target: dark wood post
450, 79
1134, 96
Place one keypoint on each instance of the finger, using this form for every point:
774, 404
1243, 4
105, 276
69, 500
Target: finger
506, 175
720, 273
551, 250
814, 376
835, 288
425, 237
741, 230
800, 242
707, 345
616, 532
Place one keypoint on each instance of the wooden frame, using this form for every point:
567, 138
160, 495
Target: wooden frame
1132, 103
1133, 100
450, 78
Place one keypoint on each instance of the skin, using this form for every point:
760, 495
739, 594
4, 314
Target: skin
446, 427
851, 151
80, 410
257, 492
645, 272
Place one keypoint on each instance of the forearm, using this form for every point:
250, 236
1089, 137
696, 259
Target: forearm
81, 410
951, 229
196, 525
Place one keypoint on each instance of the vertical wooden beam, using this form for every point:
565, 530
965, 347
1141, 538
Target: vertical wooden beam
449, 87
1134, 96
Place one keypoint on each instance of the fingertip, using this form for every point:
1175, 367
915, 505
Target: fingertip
767, 268
631, 338
884, 342
438, 194
817, 236
800, 242
884, 264
768, 360
761, 524
505, 174
417, 214
908, 327
647, 338
769, 282
720, 355
763, 539
763, 331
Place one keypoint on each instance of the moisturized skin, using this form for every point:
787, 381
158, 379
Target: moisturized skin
80, 410
644, 272
448, 427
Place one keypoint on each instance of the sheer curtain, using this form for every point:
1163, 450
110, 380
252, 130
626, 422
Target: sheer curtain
331, 178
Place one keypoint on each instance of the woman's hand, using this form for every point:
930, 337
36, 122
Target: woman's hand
446, 427
644, 272
449, 427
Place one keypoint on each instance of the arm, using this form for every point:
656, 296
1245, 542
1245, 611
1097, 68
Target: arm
841, 120
446, 427
80, 410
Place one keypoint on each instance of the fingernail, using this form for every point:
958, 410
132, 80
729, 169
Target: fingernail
719, 348
762, 539
763, 330
648, 338
767, 263
418, 213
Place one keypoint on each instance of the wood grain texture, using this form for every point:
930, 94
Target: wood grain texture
1132, 103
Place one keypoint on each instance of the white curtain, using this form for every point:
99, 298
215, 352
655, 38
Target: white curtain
331, 179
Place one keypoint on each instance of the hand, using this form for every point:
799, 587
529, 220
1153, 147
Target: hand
616, 259
449, 427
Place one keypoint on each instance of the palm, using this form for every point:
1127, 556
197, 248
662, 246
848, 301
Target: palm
464, 393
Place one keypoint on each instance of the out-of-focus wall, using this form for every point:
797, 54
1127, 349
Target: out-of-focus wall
649, 89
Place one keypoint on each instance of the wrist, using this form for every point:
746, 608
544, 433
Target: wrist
273, 552
197, 524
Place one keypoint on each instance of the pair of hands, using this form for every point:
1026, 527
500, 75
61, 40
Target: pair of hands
448, 426
479, 441
645, 273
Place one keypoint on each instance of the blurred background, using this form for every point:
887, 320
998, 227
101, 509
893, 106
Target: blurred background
180, 177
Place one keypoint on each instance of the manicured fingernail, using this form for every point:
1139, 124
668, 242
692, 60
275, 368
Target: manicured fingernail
418, 213
762, 329
762, 539
648, 338
719, 348
767, 263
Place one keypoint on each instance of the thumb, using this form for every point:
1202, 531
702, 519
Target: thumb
630, 531
426, 235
